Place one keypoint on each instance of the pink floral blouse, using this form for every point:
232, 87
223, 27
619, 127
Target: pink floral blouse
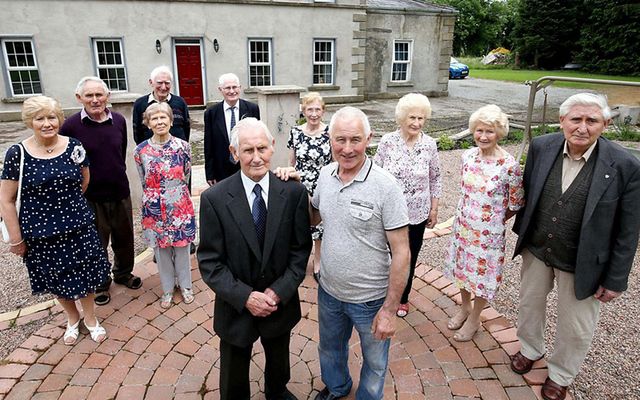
417, 170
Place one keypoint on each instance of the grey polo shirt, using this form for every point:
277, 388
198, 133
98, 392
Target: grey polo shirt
356, 215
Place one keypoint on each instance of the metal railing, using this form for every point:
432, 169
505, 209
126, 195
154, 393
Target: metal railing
543, 83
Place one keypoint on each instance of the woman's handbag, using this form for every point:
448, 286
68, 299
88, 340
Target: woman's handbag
3, 227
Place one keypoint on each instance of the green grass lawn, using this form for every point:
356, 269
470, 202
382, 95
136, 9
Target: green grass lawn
503, 73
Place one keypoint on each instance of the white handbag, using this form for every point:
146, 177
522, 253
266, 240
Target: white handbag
3, 227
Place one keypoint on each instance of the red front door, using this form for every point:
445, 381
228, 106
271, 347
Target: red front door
190, 73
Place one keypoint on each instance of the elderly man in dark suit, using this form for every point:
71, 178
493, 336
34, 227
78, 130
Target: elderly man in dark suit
254, 246
580, 227
219, 120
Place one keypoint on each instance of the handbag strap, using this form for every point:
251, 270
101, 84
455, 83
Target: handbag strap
20, 177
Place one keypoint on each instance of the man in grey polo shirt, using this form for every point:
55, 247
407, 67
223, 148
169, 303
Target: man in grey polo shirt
364, 216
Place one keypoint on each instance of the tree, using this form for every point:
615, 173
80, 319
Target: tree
481, 25
547, 31
610, 39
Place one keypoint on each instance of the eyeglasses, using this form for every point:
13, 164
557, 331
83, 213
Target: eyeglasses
230, 88
165, 83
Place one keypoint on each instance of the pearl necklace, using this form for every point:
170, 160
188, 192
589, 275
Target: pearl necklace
49, 150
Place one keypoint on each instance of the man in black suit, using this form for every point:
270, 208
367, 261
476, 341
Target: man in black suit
580, 228
254, 246
219, 120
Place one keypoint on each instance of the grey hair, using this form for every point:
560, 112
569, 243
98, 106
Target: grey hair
490, 115
410, 102
159, 70
348, 112
155, 108
246, 124
228, 77
586, 99
83, 81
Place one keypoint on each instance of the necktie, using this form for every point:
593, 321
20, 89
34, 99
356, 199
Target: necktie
259, 213
232, 123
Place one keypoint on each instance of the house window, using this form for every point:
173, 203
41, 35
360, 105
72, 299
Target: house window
260, 62
21, 66
323, 62
110, 63
401, 68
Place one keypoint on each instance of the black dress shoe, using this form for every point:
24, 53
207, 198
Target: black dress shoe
325, 394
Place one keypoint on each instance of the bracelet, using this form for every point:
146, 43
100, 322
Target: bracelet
15, 244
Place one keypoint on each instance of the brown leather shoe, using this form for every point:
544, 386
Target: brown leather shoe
553, 391
521, 364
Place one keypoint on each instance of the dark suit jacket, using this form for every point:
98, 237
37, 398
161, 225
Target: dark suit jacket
216, 140
611, 220
233, 265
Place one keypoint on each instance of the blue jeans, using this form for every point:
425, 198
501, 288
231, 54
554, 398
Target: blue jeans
337, 320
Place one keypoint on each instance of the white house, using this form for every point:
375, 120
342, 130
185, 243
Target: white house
349, 50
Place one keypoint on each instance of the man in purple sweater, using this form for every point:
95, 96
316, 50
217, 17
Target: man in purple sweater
103, 133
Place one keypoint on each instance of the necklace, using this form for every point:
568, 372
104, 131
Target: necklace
48, 149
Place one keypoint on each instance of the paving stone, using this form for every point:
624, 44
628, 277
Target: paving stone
113, 374
197, 367
160, 346
485, 341
50, 332
124, 359
157, 392
491, 389
520, 393
138, 376
482, 373
131, 392
463, 387
436, 341
426, 328
165, 376
175, 360
447, 354
6, 385
23, 320
185, 325
54, 354
172, 335
431, 276
497, 324
444, 302
507, 377
430, 292
497, 356
455, 370
97, 360
148, 332
75, 392
472, 357
110, 346
54, 382
425, 361
37, 343
47, 395
536, 376
136, 345
86, 377
506, 335
70, 363
198, 316
408, 383
37, 372
103, 391
12, 370
121, 333
200, 335
23, 390
438, 393
416, 347
150, 312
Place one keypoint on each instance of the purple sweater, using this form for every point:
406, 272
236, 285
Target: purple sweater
106, 146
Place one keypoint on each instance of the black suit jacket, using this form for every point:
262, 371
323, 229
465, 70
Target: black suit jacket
217, 164
233, 265
611, 220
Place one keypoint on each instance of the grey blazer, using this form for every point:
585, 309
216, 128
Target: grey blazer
611, 220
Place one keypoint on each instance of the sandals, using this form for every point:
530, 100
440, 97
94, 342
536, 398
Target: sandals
97, 332
187, 296
72, 332
403, 310
102, 298
166, 300
131, 281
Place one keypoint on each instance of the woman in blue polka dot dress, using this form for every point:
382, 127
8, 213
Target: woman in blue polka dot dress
54, 230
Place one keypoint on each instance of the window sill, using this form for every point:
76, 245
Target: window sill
400, 84
17, 100
322, 88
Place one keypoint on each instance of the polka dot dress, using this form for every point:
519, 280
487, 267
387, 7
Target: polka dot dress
64, 254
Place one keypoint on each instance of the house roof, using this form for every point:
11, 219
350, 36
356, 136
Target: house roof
409, 5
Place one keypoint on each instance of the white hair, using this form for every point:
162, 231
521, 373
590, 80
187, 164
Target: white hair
490, 115
248, 124
228, 77
163, 69
83, 81
586, 99
347, 113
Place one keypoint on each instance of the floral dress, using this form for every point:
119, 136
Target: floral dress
476, 254
312, 153
168, 218
64, 253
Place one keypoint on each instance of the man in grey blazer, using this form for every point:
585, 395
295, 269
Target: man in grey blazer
254, 246
580, 227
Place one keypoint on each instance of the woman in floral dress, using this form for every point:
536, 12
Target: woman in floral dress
54, 229
310, 151
168, 218
491, 193
412, 157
